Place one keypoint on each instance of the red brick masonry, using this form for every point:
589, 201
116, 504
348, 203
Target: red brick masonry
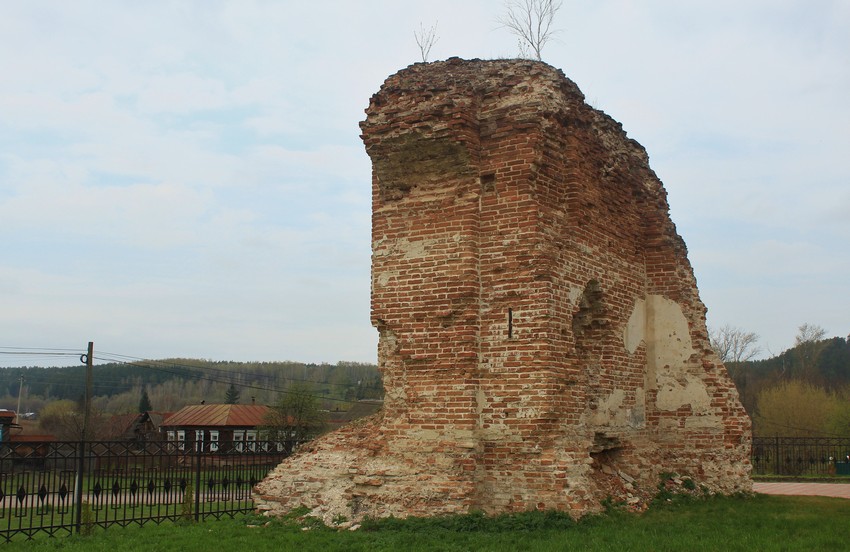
542, 340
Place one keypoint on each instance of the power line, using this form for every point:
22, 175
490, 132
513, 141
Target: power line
46, 349
28, 353
196, 372
36, 353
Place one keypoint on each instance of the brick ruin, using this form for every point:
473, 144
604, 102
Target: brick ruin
542, 340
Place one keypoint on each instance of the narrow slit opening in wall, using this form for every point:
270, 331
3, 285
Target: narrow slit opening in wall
488, 182
510, 323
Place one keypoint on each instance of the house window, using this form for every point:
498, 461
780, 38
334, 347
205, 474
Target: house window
251, 438
181, 440
213, 440
170, 435
238, 440
199, 440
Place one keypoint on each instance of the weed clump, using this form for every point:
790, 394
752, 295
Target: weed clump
187, 507
86, 520
675, 488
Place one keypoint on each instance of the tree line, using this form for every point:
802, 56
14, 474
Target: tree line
170, 384
803, 391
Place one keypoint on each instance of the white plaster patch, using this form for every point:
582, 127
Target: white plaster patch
673, 394
383, 279
408, 249
528, 413
415, 249
635, 330
610, 410
575, 293
710, 421
637, 415
669, 338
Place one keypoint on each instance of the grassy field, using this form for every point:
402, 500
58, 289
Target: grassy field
759, 523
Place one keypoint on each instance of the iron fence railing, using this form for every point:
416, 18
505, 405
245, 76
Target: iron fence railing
801, 456
58, 488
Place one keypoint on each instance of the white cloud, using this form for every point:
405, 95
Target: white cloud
182, 93
192, 173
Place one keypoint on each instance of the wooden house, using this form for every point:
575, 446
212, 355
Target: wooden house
135, 427
216, 427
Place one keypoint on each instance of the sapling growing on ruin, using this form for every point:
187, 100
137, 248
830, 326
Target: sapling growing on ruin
531, 22
425, 39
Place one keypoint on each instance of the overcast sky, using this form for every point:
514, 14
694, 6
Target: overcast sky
186, 179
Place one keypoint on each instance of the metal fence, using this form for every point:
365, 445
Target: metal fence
801, 456
58, 488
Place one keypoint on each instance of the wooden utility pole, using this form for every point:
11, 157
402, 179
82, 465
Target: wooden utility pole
81, 456
18, 411
87, 413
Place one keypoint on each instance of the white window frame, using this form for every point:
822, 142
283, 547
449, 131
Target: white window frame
251, 440
213, 440
199, 440
239, 440
181, 439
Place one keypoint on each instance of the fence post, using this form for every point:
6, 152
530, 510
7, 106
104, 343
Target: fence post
199, 447
78, 484
776, 455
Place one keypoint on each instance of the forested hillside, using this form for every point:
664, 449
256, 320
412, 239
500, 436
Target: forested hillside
803, 391
173, 383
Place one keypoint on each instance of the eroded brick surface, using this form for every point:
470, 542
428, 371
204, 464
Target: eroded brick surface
542, 340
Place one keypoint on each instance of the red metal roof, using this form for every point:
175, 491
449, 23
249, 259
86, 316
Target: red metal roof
31, 438
218, 415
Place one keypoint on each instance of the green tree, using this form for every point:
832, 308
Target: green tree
834, 363
56, 417
296, 417
809, 344
232, 395
64, 420
145, 401
839, 423
797, 408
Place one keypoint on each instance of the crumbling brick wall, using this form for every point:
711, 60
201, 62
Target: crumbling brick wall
542, 341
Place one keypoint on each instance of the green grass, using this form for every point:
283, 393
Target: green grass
762, 523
